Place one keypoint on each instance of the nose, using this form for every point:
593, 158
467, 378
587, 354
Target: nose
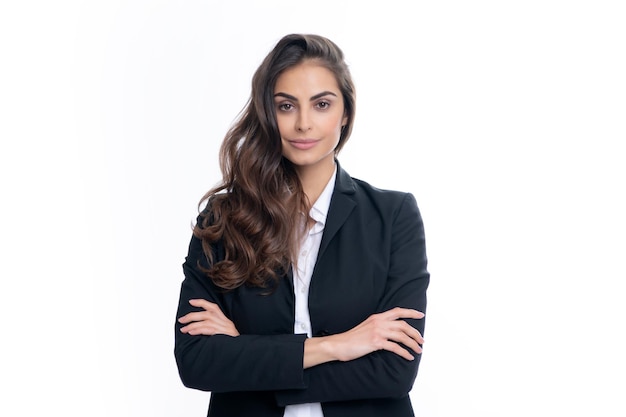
303, 121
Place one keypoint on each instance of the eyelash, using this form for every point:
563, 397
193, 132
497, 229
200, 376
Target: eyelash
285, 107
282, 106
325, 103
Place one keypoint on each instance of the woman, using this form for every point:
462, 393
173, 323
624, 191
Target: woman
287, 314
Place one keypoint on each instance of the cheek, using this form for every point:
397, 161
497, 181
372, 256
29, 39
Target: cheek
280, 122
333, 125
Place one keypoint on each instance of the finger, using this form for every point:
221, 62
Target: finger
199, 302
406, 328
201, 330
184, 329
411, 331
193, 331
416, 335
207, 306
398, 350
197, 328
407, 335
195, 316
407, 313
187, 318
402, 313
405, 339
210, 328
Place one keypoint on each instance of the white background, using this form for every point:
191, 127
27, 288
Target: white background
506, 119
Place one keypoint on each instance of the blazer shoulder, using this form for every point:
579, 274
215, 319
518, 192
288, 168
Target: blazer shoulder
381, 195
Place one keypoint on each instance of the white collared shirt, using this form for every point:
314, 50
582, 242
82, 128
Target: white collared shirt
301, 281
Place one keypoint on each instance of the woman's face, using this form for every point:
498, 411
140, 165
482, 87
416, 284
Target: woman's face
310, 114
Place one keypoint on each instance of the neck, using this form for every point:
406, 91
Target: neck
315, 179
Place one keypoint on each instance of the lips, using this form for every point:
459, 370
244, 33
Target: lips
303, 144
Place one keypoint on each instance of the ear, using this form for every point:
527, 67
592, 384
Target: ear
344, 121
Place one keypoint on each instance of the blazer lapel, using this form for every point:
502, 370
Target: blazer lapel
341, 205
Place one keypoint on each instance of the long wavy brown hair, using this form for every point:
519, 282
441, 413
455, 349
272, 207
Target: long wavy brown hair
254, 211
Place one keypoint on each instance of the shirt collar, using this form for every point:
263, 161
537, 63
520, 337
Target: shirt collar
319, 211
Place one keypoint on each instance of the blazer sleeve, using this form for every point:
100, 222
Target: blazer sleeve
222, 363
381, 374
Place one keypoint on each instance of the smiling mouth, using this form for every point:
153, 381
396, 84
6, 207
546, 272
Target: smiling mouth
303, 144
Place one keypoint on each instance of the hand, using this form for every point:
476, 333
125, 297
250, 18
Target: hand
209, 322
383, 331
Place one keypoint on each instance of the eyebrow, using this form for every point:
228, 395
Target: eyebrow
315, 97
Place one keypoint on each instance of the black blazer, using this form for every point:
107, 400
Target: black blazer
372, 258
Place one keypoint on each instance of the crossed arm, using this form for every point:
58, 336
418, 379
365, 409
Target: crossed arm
383, 331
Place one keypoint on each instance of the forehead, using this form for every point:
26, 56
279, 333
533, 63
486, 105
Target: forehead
307, 77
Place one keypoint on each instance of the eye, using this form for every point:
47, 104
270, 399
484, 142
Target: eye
285, 107
323, 105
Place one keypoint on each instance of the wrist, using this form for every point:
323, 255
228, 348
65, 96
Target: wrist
318, 350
